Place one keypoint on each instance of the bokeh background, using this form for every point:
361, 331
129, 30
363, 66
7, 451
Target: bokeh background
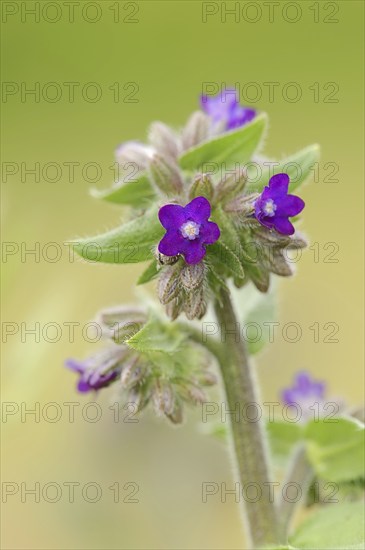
169, 52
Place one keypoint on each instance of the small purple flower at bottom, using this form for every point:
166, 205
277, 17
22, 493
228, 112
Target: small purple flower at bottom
97, 371
274, 206
188, 230
225, 107
304, 394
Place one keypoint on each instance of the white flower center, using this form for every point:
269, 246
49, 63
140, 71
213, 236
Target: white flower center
269, 208
190, 230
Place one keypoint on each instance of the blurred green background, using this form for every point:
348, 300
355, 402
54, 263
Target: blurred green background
169, 52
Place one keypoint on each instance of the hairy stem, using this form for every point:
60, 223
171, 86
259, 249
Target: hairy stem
300, 473
248, 436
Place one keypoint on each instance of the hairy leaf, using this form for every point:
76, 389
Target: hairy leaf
132, 242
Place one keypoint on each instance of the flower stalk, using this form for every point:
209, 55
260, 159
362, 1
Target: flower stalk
248, 436
300, 473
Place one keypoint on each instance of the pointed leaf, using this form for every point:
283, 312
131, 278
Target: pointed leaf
336, 448
134, 193
149, 273
224, 258
335, 526
130, 243
298, 167
157, 336
229, 148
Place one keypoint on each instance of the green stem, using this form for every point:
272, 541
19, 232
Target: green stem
248, 436
301, 473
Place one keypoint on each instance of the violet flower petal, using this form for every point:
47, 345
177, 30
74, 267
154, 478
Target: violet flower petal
291, 205
210, 233
172, 215
283, 226
194, 252
172, 243
279, 185
198, 210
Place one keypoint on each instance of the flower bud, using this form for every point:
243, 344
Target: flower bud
196, 130
176, 416
168, 286
201, 187
132, 373
231, 185
163, 398
120, 323
192, 276
164, 141
194, 304
174, 308
191, 392
275, 262
242, 205
207, 378
135, 153
165, 175
298, 241
139, 395
270, 238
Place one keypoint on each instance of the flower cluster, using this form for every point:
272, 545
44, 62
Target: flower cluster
213, 226
145, 376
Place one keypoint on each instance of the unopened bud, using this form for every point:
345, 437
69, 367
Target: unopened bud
267, 237
196, 130
164, 140
132, 373
163, 398
242, 205
165, 175
135, 153
197, 395
201, 187
231, 185
192, 276
176, 416
121, 322
298, 241
207, 378
194, 304
139, 395
168, 286
275, 262
174, 308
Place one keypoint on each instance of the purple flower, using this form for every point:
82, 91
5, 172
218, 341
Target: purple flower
97, 371
304, 393
225, 107
275, 206
188, 230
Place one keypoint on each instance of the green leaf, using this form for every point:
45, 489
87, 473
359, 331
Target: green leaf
157, 336
130, 243
134, 193
336, 448
224, 258
297, 166
230, 147
334, 527
283, 436
254, 309
149, 273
